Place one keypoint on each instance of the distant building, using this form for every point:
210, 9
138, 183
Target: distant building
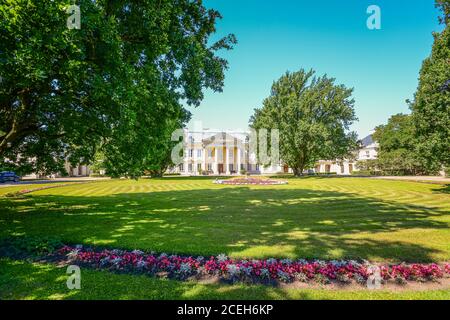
71, 171
369, 150
228, 153
221, 153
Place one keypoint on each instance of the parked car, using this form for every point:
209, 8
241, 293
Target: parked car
6, 176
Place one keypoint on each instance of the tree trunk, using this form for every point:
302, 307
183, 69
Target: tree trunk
156, 173
298, 171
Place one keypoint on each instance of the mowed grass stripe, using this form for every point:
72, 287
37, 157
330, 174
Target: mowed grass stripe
311, 217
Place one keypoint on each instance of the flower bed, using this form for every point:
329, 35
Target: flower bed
254, 271
250, 181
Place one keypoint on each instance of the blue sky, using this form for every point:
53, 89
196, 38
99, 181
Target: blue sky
329, 36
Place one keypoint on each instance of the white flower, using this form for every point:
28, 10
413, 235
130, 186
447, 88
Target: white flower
247, 270
265, 273
141, 264
222, 257
104, 261
185, 268
73, 254
283, 276
233, 269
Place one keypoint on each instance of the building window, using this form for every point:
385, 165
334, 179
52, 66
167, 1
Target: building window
199, 153
257, 167
210, 152
190, 167
199, 167
209, 166
191, 153
242, 166
191, 139
230, 167
181, 167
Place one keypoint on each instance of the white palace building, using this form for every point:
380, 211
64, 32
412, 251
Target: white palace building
227, 153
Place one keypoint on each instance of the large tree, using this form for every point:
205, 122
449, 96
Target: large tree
117, 84
431, 105
397, 147
313, 116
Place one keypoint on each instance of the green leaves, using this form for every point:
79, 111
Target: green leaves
313, 116
431, 105
115, 85
397, 154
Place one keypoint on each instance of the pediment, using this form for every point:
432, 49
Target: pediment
223, 138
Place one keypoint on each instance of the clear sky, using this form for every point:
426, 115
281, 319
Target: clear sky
329, 36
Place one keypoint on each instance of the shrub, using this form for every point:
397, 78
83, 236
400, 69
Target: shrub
172, 174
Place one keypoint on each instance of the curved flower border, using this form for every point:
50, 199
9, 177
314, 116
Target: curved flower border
254, 271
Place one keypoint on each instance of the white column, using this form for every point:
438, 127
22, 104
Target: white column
238, 169
205, 157
194, 168
185, 165
226, 161
215, 168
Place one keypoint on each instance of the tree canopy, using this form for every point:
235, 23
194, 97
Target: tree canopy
313, 116
397, 147
431, 105
117, 84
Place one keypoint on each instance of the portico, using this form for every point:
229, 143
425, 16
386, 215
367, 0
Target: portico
218, 153
222, 154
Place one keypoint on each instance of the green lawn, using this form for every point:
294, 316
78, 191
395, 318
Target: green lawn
308, 218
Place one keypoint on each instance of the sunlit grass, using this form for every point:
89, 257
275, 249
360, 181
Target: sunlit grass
308, 218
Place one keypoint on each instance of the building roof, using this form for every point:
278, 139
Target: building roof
367, 141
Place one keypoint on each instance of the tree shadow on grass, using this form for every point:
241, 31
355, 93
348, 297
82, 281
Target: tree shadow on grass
442, 189
296, 223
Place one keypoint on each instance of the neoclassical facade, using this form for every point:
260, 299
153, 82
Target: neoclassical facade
228, 153
221, 153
